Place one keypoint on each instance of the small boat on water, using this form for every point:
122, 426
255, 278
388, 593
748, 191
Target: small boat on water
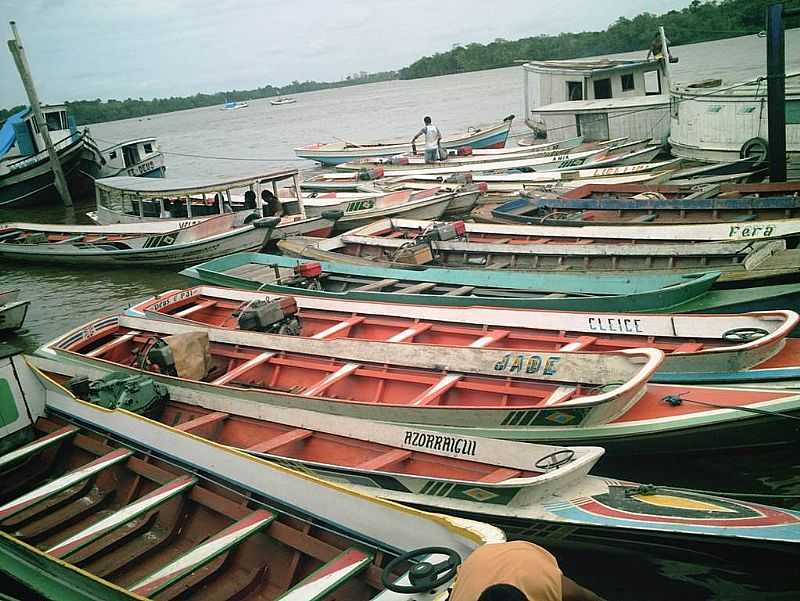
25, 173
601, 399
12, 310
165, 243
282, 100
334, 153
526, 486
231, 105
459, 288
111, 505
128, 200
640, 212
140, 157
425, 204
669, 190
750, 347
747, 255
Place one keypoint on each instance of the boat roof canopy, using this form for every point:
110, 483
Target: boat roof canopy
623, 102
590, 68
146, 186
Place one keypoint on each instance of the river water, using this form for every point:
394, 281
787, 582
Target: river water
261, 137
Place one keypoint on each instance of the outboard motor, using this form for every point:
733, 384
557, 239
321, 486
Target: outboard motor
308, 275
398, 161
442, 232
464, 151
119, 390
458, 178
274, 316
160, 354
367, 174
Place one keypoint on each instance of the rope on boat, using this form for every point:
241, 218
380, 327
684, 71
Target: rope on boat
675, 400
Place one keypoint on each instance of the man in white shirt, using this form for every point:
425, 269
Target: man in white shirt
433, 138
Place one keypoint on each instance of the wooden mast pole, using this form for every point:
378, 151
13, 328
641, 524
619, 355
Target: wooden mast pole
18, 52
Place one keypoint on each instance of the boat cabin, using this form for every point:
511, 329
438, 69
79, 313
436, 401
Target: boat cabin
598, 99
20, 136
128, 199
137, 158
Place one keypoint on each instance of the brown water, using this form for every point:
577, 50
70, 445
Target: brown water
262, 136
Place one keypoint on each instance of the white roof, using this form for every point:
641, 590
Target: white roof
605, 104
153, 186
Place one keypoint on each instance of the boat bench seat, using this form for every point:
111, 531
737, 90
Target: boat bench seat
417, 288
202, 554
384, 460
379, 285
500, 474
35, 446
195, 308
281, 440
461, 291
325, 580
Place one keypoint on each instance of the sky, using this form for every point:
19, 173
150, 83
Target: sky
85, 49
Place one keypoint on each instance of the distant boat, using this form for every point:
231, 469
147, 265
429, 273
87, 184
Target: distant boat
282, 100
233, 104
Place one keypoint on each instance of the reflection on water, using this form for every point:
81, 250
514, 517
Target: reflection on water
65, 298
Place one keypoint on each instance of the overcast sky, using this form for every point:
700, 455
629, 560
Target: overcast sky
81, 49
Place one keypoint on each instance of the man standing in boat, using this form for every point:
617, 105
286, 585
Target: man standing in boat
433, 139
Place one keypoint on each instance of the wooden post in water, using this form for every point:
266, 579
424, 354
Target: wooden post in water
18, 52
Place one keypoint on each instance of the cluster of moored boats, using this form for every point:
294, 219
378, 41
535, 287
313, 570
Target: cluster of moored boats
452, 348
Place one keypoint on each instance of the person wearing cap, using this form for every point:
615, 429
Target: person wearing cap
515, 571
433, 138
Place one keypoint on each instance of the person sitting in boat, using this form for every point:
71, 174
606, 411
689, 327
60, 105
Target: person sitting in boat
271, 206
249, 200
656, 48
433, 141
515, 571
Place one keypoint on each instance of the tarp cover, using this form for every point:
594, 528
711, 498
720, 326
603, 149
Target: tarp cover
190, 351
7, 136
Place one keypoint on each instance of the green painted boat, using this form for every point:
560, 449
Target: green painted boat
453, 287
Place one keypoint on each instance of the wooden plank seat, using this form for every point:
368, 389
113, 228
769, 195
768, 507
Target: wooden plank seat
500, 474
209, 419
378, 285
329, 380
203, 554
384, 460
207, 304
58, 485
460, 291
13, 457
581, 343
418, 288
410, 333
243, 368
562, 393
336, 328
103, 349
121, 517
291, 436
328, 578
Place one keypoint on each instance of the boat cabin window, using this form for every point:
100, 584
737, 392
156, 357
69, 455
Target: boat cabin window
652, 83
792, 112
113, 155
131, 155
602, 89
627, 82
575, 90
148, 148
56, 120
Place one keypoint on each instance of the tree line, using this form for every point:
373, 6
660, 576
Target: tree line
699, 22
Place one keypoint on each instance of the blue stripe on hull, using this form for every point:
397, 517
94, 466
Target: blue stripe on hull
723, 377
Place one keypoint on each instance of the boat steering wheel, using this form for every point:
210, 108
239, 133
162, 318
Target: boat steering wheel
744, 334
423, 575
553, 459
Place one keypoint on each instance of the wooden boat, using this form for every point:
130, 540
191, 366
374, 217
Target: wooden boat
25, 173
594, 249
100, 504
668, 190
640, 212
751, 347
549, 163
138, 157
231, 105
501, 482
257, 271
341, 152
135, 200
600, 399
642, 174
425, 204
282, 100
12, 310
141, 244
